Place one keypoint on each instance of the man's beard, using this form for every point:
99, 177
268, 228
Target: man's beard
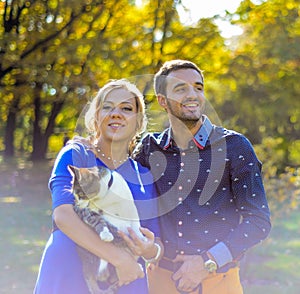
189, 120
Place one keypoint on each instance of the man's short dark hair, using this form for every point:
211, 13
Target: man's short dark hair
167, 68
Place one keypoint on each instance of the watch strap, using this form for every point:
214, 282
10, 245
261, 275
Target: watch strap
209, 264
204, 256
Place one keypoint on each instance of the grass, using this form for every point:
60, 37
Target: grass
274, 266
24, 229
25, 226
25, 217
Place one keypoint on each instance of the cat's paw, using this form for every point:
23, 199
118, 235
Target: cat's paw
106, 235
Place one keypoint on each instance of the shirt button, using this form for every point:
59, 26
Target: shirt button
180, 223
183, 153
180, 188
180, 234
181, 252
181, 163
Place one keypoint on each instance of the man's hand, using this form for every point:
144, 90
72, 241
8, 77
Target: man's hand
190, 274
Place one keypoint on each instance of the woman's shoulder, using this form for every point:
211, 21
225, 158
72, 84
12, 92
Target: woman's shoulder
78, 149
79, 143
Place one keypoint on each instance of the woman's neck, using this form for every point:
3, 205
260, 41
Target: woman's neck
113, 154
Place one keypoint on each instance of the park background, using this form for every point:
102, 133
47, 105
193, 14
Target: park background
54, 56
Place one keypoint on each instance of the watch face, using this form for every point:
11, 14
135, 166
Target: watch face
210, 266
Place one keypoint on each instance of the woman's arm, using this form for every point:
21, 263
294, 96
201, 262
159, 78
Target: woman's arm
70, 224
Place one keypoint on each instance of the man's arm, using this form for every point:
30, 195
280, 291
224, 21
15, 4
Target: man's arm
251, 203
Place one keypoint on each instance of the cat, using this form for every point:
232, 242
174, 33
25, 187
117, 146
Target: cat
104, 201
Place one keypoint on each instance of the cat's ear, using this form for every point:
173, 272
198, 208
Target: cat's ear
75, 172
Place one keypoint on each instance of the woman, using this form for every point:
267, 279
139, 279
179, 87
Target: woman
115, 118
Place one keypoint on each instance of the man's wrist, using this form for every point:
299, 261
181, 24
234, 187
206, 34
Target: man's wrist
221, 254
210, 256
209, 263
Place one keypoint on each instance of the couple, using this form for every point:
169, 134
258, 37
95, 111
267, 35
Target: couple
206, 182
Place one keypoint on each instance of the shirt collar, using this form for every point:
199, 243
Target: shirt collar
200, 138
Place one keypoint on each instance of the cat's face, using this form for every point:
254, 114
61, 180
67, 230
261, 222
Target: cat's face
87, 182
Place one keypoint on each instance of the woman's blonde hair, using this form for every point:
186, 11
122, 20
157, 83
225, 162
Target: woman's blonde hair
96, 105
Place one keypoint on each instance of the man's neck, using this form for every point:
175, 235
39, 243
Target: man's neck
184, 133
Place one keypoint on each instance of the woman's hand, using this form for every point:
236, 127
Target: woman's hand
141, 247
128, 269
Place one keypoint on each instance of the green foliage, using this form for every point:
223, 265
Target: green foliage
56, 54
284, 192
264, 73
282, 187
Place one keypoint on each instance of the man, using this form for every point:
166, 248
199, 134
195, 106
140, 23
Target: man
212, 204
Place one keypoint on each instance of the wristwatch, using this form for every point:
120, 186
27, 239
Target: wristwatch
209, 264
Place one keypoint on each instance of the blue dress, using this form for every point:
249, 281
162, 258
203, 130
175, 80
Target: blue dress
61, 268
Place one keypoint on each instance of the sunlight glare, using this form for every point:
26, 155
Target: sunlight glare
203, 9
10, 199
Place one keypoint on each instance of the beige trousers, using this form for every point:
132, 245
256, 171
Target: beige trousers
160, 282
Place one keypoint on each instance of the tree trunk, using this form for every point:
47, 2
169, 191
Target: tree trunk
10, 128
40, 138
38, 142
9, 150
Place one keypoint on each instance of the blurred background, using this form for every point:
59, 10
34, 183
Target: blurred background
56, 54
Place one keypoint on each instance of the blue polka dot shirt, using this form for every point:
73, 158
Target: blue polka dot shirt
210, 195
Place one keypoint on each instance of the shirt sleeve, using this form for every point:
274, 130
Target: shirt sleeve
250, 199
60, 182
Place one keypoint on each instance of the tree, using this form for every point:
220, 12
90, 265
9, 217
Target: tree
40, 48
264, 72
56, 54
